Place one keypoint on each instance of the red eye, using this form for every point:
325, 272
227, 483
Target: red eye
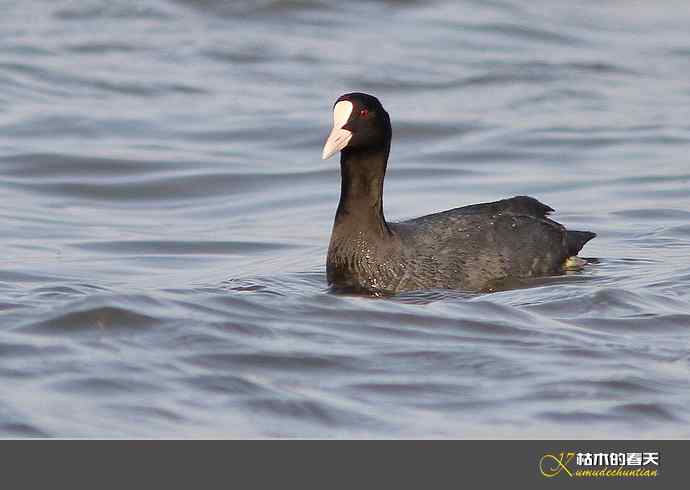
364, 112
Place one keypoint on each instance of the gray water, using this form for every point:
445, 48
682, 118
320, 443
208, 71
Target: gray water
165, 215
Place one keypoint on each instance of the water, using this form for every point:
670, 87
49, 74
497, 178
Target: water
165, 216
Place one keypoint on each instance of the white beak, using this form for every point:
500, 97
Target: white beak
339, 137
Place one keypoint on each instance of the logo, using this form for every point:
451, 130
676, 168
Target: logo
571, 464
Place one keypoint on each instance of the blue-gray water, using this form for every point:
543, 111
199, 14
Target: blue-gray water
165, 214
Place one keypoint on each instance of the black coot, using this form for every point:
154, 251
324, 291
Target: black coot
470, 248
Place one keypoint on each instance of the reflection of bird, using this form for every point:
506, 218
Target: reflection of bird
464, 248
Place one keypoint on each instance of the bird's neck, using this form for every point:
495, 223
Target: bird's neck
361, 191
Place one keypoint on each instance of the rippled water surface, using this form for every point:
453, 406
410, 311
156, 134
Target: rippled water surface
165, 215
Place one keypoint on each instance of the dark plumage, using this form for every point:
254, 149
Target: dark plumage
467, 248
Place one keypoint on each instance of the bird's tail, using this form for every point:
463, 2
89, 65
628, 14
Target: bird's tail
577, 240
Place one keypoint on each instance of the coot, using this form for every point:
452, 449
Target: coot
469, 248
